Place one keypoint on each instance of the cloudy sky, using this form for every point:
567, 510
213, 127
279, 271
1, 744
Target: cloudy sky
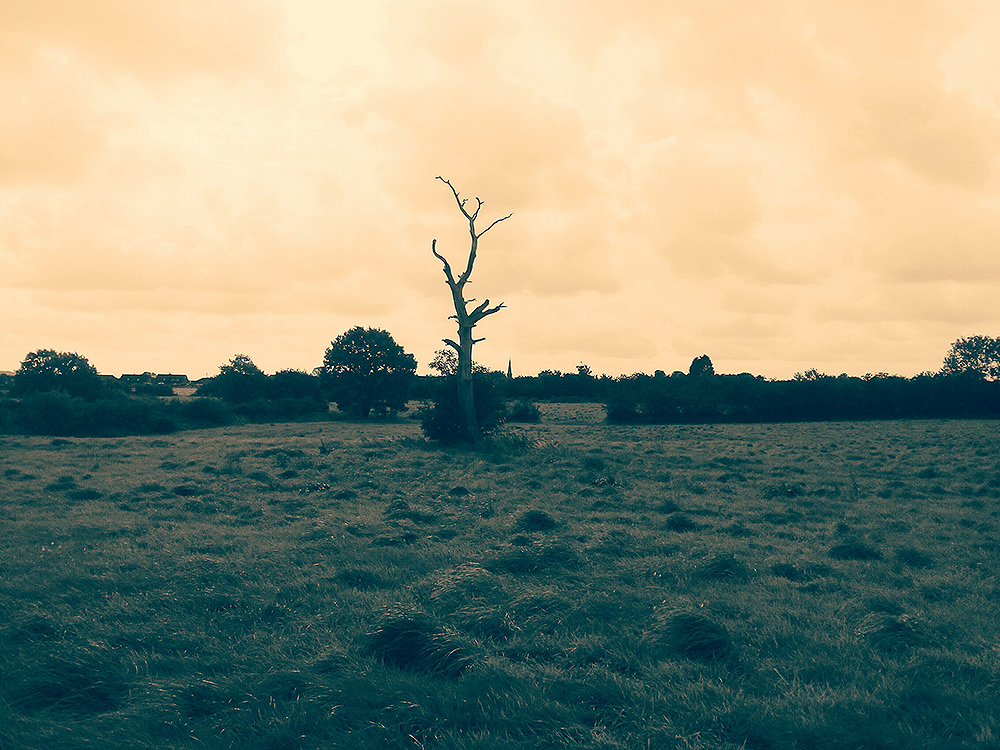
780, 185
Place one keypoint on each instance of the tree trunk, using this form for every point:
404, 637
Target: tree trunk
466, 394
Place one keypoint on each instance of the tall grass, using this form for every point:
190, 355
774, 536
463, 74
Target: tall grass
588, 586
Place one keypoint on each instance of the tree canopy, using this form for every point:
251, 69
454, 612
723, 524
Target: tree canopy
238, 381
48, 370
975, 355
365, 370
701, 366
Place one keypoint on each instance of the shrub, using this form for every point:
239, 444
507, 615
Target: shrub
205, 412
239, 381
523, 411
441, 420
56, 413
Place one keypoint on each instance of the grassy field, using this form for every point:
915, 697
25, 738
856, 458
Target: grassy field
579, 585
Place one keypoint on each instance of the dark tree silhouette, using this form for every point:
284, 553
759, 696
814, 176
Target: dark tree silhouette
239, 381
701, 366
466, 318
48, 370
978, 355
365, 370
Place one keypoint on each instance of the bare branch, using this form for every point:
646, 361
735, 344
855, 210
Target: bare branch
493, 225
460, 201
479, 308
447, 267
454, 345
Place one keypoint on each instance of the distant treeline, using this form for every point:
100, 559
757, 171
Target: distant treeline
366, 374
704, 398
641, 399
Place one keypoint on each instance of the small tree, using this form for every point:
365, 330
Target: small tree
365, 370
48, 370
466, 318
978, 355
239, 381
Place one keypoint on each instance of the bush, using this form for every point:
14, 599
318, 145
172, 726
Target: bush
441, 420
523, 411
239, 382
56, 413
205, 412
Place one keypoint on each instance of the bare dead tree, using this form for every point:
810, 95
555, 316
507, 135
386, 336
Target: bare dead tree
466, 318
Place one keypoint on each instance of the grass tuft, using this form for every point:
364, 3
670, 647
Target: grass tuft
891, 633
536, 520
799, 573
854, 548
537, 557
724, 566
693, 635
84, 679
413, 642
914, 558
360, 578
681, 522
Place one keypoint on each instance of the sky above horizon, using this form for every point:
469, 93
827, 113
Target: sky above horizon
781, 186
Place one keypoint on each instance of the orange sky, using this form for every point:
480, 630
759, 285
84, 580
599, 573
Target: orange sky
779, 185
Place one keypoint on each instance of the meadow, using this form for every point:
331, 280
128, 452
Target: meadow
575, 584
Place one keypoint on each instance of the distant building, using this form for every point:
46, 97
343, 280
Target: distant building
175, 381
148, 378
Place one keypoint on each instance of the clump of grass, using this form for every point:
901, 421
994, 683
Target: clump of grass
914, 558
465, 581
681, 522
891, 633
494, 622
694, 635
87, 493
799, 573
400, 509
536, 520
539, 556
412, 641
784, 489
31, 627
854, 548
667, 506
84, 679
724, 566
360, 578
